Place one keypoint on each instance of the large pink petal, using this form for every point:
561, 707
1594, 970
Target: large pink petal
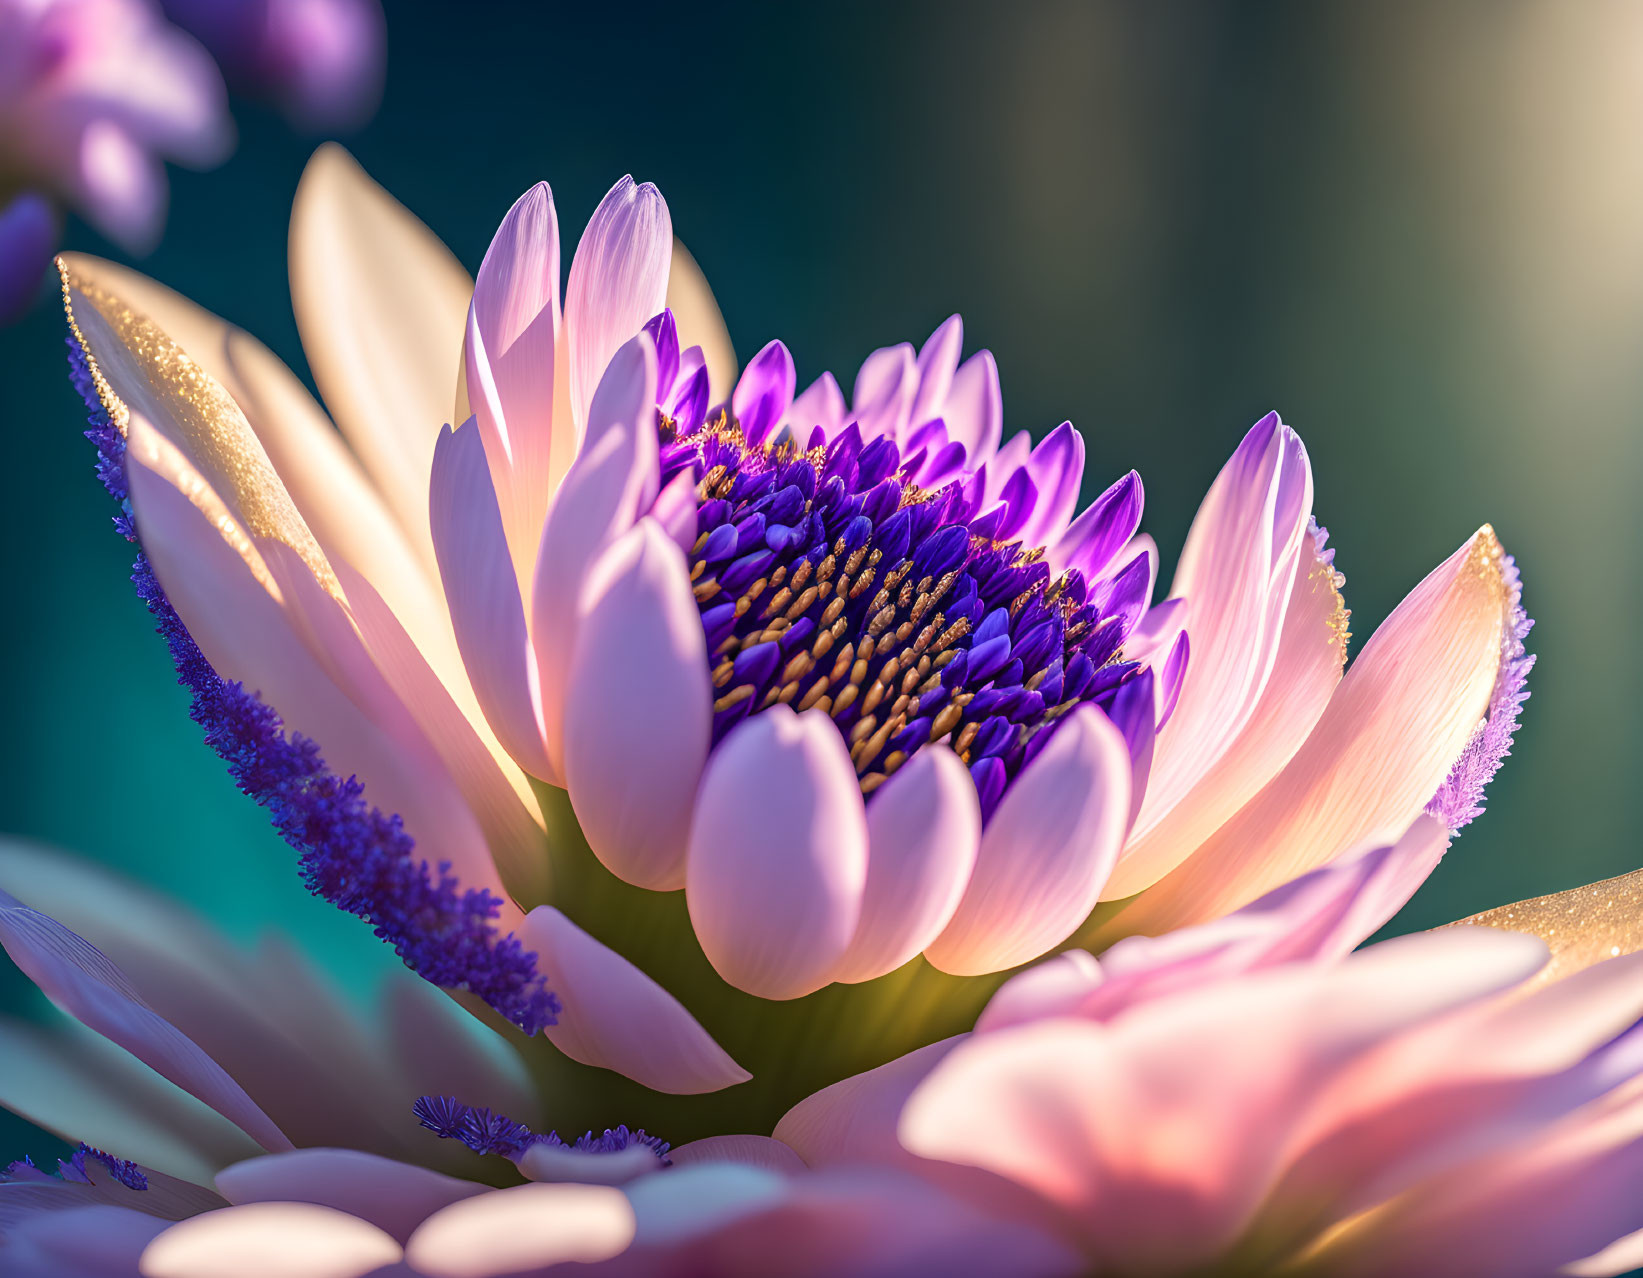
638, 717
483, 593
1551, 1203
923, 827
524, 1229
1235, 573
618, 280
1046, 852
1311, 654
395, 1197
1386, 741
613, 481
1322, 915
81, 980
854, 1120
778, 854
1157, 1134
270, 1240
618, 1018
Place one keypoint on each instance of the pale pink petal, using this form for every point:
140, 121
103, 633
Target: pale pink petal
1157, 1134
1384, 744
561, 1164
1307, 667
729, 1221
434, 809
1322, 915
764, 1152
618, 280
676, 1209
80, 1086
483, 594
937, 361
1046, 852
819, 404
1055, 987
1551, 1203
78, 1242
923, 827
638, 715
884, 391
524, 1229
613, 480
494, 788
443, 1050
974, 411
618, 1018
380, 305
854, 1120
513, 330
395, 1197
778, 854
82, 981
1620, 1257
675, 509
1235, 572
270, 1240
120, 185
1460, 1093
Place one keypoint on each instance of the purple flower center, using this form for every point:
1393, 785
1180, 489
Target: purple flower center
828, 580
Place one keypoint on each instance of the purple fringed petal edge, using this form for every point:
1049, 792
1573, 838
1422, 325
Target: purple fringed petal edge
352, 855
1459, 799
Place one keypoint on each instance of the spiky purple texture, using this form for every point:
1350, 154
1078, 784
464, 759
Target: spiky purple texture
486, 1132
351, 854
73, 1168
1459, 799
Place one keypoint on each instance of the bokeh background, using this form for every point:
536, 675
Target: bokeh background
1416, 229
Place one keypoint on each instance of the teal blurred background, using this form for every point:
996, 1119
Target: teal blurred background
1415, 229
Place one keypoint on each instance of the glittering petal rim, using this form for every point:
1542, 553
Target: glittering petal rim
351, 853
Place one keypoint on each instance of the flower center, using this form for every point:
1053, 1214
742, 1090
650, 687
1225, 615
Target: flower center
827, 580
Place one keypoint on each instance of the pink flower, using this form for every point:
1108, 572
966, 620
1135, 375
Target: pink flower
94, 95
321, 61
858, 679
1226, 1099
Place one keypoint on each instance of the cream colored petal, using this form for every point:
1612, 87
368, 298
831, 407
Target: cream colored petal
700, 324
325, 481
1582, 926
197, 430
381, 306
1393, 729
331, 492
